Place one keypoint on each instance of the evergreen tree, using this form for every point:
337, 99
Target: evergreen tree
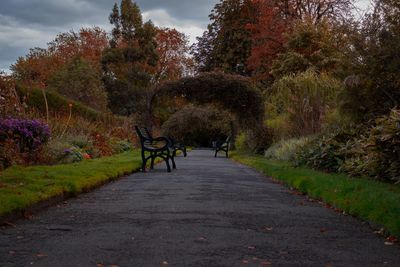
130, 61
227, 43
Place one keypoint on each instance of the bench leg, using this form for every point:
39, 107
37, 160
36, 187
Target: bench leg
167, 162
143, 162
152, 162
184, 152
173, 162
216, 151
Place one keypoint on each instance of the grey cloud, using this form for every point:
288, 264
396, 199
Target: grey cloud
28, 23
45, 12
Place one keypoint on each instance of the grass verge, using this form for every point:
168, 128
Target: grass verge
22, 187
373, 201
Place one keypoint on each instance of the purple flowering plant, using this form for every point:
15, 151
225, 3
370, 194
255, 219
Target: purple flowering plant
29, 135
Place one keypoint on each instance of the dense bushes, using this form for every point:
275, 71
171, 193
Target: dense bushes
20, 136
377, 152
199, 126
29, 135
286, 150
359, 151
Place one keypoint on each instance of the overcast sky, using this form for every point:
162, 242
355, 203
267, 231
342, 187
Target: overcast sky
26, 24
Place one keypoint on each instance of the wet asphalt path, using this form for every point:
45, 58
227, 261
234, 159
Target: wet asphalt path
209, 212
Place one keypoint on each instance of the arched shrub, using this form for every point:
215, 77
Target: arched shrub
234, 93
199, 126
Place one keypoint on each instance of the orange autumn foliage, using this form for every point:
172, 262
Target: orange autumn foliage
36, 68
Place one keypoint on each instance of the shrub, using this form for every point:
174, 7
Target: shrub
53, 152
28, 135
20, 139
119, 146
286, 149
198, 126
80, 141
241, 143
377, 153
372, 151
327, 152
72, 154
303, 99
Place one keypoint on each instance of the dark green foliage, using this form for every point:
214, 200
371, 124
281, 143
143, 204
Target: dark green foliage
318, 46
377, 152
59, 104
199, 126
227, 43
231, 92
376, 89
80, 81
327, 152
359, 151
130, 61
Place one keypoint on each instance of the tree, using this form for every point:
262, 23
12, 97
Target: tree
268, 34
298, 103
226, 44
316, 10
80, 81
321, 47
36, 68
173, 51
129, 64
375, 85
88, 43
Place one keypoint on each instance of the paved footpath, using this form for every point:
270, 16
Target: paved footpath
209, 212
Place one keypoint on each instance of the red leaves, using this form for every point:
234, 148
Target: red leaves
172, 49
268, 37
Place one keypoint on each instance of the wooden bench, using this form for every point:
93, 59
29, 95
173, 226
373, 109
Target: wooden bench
157, 147
222, 146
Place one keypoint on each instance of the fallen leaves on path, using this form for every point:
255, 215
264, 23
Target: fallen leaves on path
10, 224
268, 228
391, 240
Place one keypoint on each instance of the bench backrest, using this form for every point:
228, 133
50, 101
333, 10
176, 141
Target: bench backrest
228, 139
144, 135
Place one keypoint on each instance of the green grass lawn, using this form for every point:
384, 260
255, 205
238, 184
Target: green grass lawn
21, 187
373, 201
